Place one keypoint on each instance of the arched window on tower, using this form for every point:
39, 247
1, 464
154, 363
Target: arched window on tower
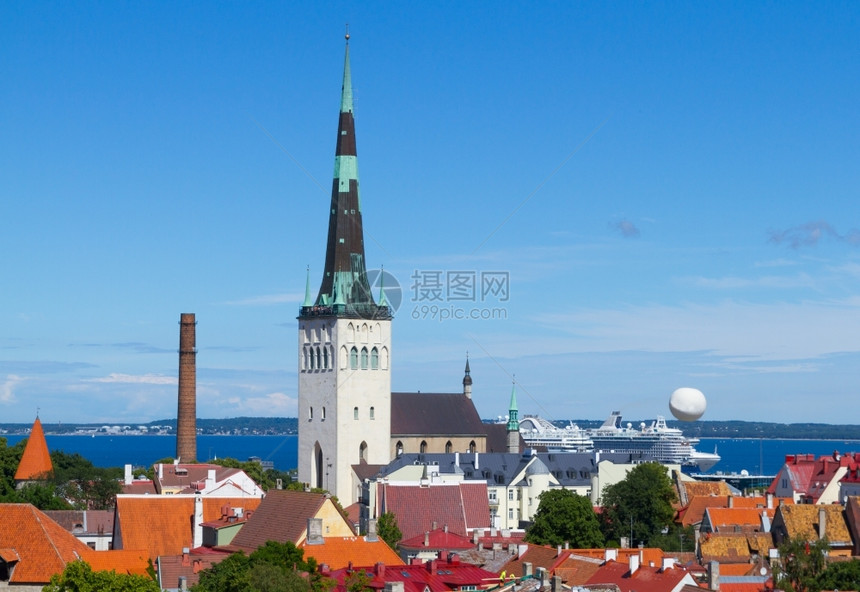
319, 358
473, 447
364, 358
448, 447
325, 358
362, 452
310, 412
311, 357
398, 448
322, 415
374, 359
353, 358
423, 447
372, 413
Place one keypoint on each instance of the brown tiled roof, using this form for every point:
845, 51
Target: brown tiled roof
649, 555
460, 506
737, 519
36, 460
83, 521
437, 539
43, 546
338, 552
801, 521
282, 517
121, 561
171, 567
139, 488
539, 556
184, 476
162, 524
694, 488
734, 548
434, 414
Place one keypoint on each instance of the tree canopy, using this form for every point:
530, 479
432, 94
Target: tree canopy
79, 577
274, 567
387, 529
564, 516
639, 506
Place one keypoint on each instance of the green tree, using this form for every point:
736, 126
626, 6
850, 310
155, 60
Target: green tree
233, 574
387, 529
83, 484
79, 577
43, 496
639, 506
10, 457
842, 575
801, 565
563, 516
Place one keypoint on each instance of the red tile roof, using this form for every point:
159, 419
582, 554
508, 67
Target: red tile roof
36, 460
162, 524
737, 519
438, 539
437, 576
809, 476
171, 567
539, 556
460, 506
644, 579
338, 552
43, 546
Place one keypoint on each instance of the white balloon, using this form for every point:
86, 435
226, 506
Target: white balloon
687, 404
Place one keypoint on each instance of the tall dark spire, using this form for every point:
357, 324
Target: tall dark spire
345, 289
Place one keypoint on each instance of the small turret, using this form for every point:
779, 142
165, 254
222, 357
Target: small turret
513, 423
467, 380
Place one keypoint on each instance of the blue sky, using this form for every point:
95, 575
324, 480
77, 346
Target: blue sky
671, 189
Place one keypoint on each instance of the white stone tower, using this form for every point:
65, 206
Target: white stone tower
344, 342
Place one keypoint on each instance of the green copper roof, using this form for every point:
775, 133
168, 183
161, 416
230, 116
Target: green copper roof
346, 94
309, 301
513, 423
382, 300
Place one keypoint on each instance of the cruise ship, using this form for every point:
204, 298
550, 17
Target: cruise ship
540, 433
668, 445
665, 444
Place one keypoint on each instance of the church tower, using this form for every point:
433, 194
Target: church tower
513, 423
344, 341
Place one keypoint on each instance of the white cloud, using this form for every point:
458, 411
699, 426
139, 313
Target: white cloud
136, 379
273, 404
7, 392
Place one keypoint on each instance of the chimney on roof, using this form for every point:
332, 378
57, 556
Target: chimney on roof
315, 532
475, 536
186, 560
183, 583
558, 551
445, 528
160, 471
433, 525
476, 461
633, 562
198, 520
371, 536
379, 569
527, 569
610, 554
443, 555
668, 563
128, 477
769, 501
431, 565
427, 538
456, 459
731, 501
713, 575
186, 418
555, 586
822, 523
765, 521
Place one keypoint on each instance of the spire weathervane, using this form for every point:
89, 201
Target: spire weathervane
347, 33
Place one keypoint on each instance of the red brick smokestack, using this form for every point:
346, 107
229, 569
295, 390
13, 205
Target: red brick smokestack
186, 417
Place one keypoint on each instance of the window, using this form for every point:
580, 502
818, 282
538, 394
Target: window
472, 447
423, 448
322, 416
374, 359
372, 413
448, 447
510, 495
310, 412
362, 452
319, 360
312, 358
325, 358
492, 495
364, 358
399, 448
355, 412
353, 359
510, 513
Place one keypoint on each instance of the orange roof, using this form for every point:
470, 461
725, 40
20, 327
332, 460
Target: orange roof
738, 569
43, 546
722, 519
339, 552
36, 460
695, 510
162, 524
649, 555
121, 561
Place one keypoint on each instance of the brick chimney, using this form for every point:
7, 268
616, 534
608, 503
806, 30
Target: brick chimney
186, 417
